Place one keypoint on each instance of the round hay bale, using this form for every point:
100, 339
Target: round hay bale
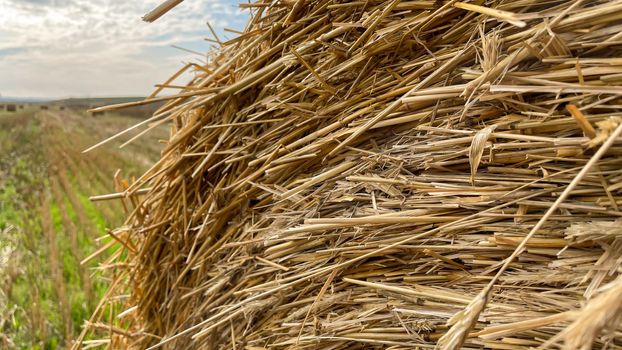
357, 175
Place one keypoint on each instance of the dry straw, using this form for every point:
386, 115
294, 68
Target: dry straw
382, 174
161, 10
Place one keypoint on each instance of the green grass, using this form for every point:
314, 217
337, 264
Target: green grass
94, 215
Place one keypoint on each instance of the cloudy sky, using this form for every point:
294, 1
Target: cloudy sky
82, 48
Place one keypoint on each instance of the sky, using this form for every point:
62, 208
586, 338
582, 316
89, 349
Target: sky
101, 48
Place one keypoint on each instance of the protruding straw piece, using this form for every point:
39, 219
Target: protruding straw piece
159, 11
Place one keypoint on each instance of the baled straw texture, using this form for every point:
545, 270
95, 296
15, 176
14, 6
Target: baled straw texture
383, 174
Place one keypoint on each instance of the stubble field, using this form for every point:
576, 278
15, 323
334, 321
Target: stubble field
54, 239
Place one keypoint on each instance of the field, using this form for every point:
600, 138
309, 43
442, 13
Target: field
49, 225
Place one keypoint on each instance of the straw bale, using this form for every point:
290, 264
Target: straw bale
383, 174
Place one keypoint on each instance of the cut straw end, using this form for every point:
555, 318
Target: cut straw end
499, 14
162, 9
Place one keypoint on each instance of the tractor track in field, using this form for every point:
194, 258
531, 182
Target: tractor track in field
56, 269
83, 173
83, 219
72, 230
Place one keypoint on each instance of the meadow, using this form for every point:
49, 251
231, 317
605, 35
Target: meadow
55, 242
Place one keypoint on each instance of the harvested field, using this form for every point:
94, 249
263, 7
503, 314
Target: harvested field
356, 175
48, 224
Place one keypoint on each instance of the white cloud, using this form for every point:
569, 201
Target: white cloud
55, 48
